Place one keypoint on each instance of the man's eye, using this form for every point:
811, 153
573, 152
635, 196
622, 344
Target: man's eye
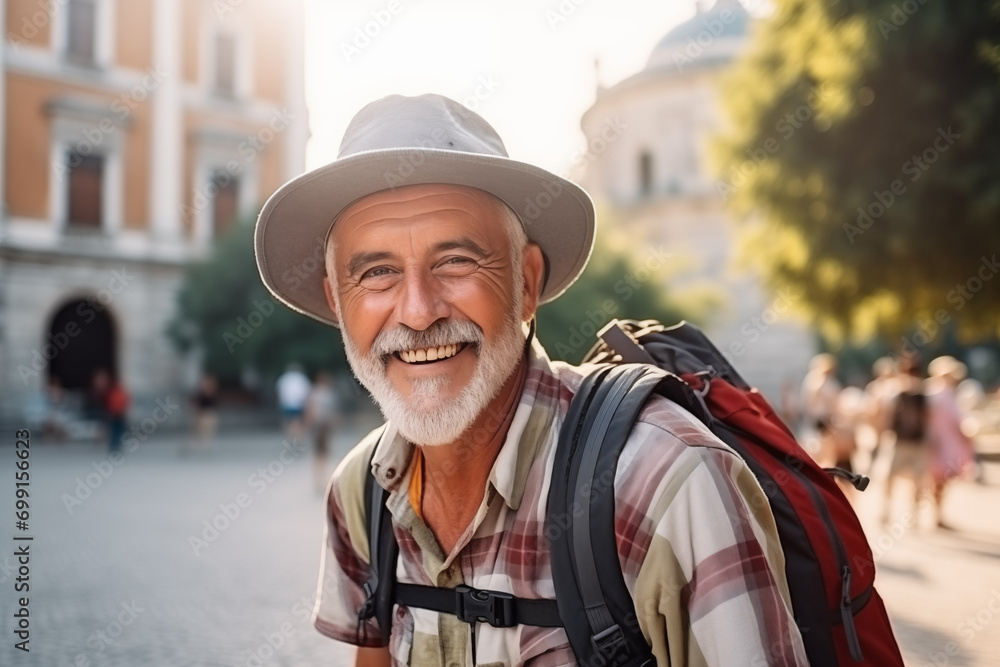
457, 262
377, 272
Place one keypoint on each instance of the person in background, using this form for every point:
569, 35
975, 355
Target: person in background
972, 401
789, 410
56, 419
952, 452
322, 416
293, 389
879, 398
114, 401
203, 405
907, 425
848, 418
820, 393
45, 410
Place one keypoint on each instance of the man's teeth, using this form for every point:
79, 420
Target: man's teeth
429, 353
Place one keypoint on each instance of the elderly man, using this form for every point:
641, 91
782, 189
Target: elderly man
439, 250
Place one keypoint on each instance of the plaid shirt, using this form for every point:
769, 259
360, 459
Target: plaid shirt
696, 541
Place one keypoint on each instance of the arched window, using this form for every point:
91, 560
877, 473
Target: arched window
645, 173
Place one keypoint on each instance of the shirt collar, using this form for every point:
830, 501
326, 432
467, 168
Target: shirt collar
536, 408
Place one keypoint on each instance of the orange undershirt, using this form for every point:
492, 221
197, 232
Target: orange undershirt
417, 482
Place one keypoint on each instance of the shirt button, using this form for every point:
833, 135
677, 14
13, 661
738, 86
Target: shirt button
390, 473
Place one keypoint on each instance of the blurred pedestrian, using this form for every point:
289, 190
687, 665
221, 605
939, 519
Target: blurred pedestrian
293, 390
789, 404
879, 397
908, 429
820, 392
848, 417
203, 405
114, 401
322, 417
953, 453
45, 410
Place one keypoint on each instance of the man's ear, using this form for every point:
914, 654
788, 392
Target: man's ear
533, 268
330, 301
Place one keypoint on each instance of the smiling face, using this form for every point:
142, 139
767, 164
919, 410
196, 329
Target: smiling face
430, 290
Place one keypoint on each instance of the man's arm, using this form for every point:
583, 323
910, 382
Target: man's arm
710, 588
344, 566
372, 657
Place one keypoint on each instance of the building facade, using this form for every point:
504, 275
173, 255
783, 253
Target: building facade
133, 133
654, 176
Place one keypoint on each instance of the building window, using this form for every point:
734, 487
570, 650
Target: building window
86, 182
225, 64
81, 30
645, 173
225, 204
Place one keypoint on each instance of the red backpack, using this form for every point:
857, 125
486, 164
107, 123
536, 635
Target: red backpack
828, 562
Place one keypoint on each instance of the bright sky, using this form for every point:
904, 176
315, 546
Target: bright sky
530, 61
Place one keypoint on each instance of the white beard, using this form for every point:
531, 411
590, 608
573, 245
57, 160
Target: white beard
427, 417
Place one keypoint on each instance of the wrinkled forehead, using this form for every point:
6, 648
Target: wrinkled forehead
455, 203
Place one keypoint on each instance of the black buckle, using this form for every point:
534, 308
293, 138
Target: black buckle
473, 605
609, 643
368, 606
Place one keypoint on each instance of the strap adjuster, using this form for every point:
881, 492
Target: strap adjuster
609, 643
367, 609
473, 605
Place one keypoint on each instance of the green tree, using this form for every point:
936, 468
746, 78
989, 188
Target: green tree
863, 147
226, 312
617, 283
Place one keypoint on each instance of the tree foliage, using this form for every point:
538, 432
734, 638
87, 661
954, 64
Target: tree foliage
225, 311
863, 147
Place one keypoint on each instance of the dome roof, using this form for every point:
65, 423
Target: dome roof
707, 37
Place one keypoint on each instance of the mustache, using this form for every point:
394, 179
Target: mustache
440, 333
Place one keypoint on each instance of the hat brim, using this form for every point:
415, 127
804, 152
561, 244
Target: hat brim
290, 236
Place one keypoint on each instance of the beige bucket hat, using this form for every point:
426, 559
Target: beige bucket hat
397, 141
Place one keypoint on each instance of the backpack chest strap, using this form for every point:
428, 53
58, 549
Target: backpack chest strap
473, 605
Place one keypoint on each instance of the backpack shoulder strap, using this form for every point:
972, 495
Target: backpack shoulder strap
383, 551
595, 605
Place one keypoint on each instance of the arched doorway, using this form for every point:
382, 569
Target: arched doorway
82, 335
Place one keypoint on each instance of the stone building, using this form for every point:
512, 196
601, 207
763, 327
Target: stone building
654, 177
132, 133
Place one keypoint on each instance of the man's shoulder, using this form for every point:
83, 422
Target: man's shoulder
346, 501
355, 465
670, 421
669, 444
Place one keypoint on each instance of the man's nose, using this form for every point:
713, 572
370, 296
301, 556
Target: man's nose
420, 302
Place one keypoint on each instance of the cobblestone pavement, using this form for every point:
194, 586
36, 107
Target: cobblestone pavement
119, 579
